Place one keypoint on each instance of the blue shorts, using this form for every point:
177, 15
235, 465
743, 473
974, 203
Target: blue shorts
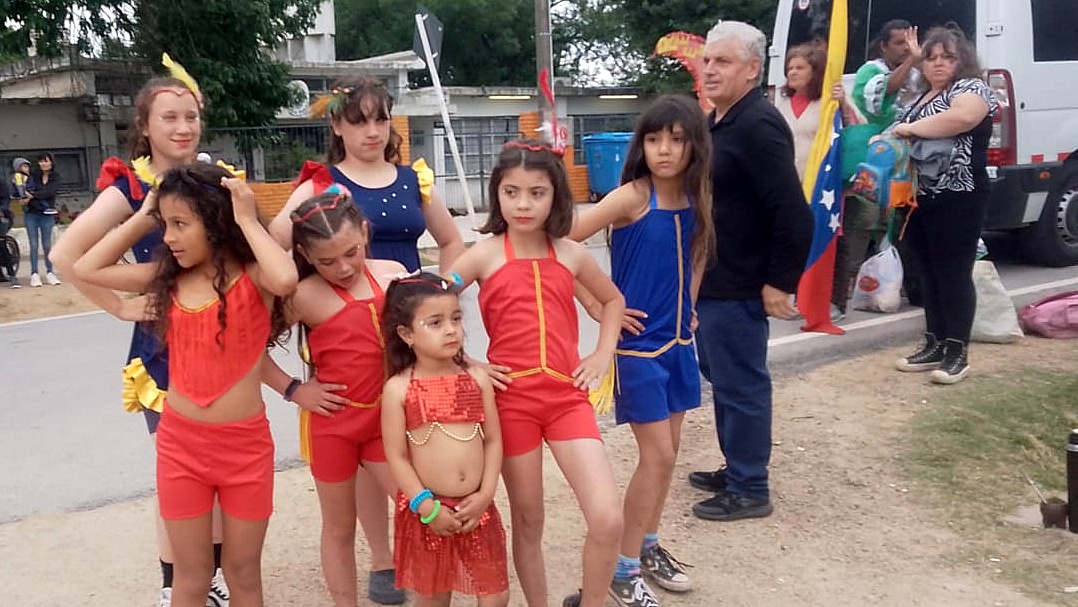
650, 389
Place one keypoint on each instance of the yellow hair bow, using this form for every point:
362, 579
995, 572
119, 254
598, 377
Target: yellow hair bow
239, 173
426, 178
178, 72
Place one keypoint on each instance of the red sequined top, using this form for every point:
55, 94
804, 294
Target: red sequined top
348, 347
446, 399
202, 367
530, 314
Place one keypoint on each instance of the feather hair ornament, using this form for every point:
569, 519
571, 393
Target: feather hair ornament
331, 104
178, 72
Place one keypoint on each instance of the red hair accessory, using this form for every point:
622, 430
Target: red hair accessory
329, 206
533, 147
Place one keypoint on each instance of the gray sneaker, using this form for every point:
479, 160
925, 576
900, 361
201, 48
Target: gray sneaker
632, 592
382, 588
664, 569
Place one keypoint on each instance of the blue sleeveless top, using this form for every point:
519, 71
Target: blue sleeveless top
144, 344
651, 263
395, 213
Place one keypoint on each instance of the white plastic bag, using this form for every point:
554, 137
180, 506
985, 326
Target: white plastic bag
995, 319
879, 282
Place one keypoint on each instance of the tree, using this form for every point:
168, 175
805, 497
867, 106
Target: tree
486, 42
220, 42
630, 28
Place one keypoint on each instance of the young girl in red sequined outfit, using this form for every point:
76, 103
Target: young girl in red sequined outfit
444, 446
209, 295
527, 272
339, 305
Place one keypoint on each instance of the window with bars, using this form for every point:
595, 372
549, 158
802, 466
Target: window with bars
589, 125
479, 140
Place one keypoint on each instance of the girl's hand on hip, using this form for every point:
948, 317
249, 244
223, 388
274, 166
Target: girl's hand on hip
591, 368
319, 398
629, 322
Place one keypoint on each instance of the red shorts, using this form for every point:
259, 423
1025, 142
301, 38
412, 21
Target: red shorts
335, 446
540, 407
196, 460
472, 563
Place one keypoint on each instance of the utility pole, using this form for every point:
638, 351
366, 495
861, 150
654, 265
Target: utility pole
544, 59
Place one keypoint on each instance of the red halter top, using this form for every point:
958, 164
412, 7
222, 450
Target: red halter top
202, 367
445, 399
348, 348
529, 311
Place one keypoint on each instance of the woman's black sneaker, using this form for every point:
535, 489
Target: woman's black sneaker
927, 358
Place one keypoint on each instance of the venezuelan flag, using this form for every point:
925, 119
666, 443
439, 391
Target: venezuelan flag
823, 189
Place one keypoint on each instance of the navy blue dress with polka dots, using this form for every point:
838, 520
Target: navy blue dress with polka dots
395, 213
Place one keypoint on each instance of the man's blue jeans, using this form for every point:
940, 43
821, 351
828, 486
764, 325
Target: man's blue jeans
39, 230
731, 342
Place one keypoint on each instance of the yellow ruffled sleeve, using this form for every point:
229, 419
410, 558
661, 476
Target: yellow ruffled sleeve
426, 178
140, 390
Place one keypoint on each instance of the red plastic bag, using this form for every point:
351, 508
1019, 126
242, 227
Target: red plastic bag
1055, 316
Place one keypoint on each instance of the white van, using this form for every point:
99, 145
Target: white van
1030, 51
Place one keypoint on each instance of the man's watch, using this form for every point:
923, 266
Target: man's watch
290, 391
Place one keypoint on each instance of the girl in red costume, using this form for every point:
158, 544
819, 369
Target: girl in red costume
209, 297
165, 132
444, 445
363, 156
338, 303
526, 273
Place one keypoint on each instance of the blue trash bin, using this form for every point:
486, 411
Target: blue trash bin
604, 154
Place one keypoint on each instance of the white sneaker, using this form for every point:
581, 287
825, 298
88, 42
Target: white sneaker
52, 280
218, 596
35, 280
166, 598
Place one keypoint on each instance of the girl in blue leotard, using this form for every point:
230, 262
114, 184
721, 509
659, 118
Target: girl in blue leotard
661, 239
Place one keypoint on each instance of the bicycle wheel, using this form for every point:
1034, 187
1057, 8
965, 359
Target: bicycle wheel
13, 255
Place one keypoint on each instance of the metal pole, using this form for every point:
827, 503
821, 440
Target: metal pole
544, 59
429, 58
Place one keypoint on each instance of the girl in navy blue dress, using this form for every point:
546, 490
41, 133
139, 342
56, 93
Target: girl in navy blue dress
397, 200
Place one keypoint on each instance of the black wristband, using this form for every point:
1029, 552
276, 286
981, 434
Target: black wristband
290, 391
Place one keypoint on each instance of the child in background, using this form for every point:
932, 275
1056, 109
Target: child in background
526, 273
443, 442
661, 240
339, 304
209, 304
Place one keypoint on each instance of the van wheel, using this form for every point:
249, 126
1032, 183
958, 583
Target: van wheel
1053, 240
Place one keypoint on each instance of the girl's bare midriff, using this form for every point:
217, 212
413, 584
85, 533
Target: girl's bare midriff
445, 465
242, 401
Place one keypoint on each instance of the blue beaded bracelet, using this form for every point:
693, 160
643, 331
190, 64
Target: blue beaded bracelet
418, 499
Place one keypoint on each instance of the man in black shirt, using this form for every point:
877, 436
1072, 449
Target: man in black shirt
763, 230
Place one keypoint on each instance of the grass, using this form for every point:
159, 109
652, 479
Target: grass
968, 454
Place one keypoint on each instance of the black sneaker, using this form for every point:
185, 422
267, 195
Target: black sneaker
704, 480
955, 363
731, 507
382, 589
927, 358
572, 600
632, 592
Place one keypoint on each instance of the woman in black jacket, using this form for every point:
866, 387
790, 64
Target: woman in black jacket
40, 217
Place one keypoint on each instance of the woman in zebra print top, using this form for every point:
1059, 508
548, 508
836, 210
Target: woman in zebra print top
953, 120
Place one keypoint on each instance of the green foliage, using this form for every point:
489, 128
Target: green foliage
220, 42
623, 33
486, 42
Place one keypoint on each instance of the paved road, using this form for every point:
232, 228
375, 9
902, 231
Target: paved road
65, 442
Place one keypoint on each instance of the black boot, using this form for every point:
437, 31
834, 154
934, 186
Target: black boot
955, 363
927, 358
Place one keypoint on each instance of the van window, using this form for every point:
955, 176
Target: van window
812, 18
1054, 25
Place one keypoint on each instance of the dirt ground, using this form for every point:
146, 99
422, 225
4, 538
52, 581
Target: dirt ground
848, 528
